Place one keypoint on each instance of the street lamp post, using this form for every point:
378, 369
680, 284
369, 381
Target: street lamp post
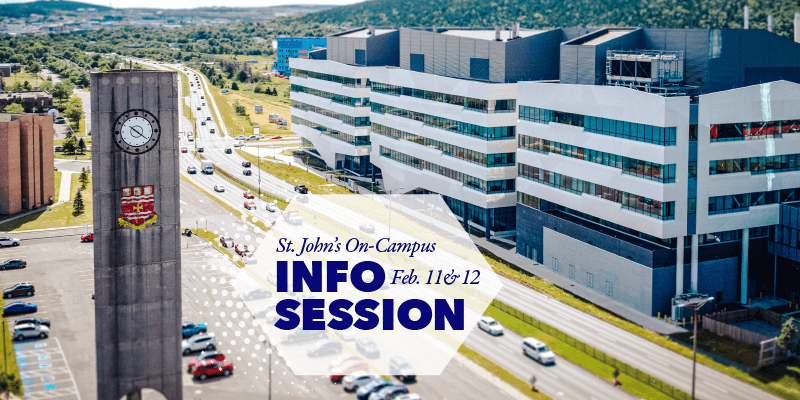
258, 150
695, 301
390, 210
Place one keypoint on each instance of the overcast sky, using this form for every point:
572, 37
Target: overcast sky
202, 3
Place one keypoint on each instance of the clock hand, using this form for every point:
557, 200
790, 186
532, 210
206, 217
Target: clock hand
137, 131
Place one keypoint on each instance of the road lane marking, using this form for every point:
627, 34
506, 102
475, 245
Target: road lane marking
564, 316
658, 361
715, 386
607, 337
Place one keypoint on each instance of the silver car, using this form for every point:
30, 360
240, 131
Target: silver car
203, 341
7, 241
219, 188
28, 331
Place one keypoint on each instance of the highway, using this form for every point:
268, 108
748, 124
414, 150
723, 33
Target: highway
640, 353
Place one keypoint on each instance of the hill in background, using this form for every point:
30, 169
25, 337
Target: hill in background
43, 7
714, 14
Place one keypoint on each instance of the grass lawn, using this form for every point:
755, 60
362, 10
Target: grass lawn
87, 155
57, 186
60, 215
212, 238
500, 372
296, 175
781, 385
9, 356
34, 79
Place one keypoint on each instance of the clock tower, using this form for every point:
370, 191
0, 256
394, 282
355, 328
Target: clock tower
136, 233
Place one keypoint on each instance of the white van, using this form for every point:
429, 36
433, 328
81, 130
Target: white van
538, 351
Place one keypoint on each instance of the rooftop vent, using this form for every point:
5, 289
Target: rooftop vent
371, 30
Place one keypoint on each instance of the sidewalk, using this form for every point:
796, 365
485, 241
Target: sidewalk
580, 291
64, 189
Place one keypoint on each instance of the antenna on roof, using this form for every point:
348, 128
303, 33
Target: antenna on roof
769, 23
746, 17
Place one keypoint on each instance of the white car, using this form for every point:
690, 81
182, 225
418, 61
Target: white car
407, 396
27, 331
219, 188
538, 351
252, 137
7, 241
272, 207
489, 325
240, 137
238, 144
203, 341
347, 335
353, 381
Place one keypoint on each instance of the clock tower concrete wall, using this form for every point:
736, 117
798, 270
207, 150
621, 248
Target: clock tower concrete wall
137, 271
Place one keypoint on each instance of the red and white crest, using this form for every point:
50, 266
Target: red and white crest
138, 203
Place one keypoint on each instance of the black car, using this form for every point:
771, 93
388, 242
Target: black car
399, 367
247, 172
199, 149
14, 263
191, 170
32, 320
324, 347
246, 164
20, 289
302, 189
228, 150
367, 347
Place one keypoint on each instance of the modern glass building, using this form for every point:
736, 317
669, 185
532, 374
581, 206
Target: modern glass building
295, 48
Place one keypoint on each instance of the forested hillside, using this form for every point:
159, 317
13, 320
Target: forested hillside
22, 10
716, 14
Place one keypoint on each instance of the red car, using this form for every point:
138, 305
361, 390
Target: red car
241, 248
206, 356
87, 238
184, 150
249, 205
212, 368
226, 241
346, 369
249, 195
213, 131
276, 137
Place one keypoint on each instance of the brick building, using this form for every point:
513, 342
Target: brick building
26, 162
32, 101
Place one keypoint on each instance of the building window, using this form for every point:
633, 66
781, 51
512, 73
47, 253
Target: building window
347, 119
332, 133
479, 68
589, 280
360, 57
571, 272
336, 98
663, 136
693, 132
691, 205
463, 128
692, 169
742, 202
555, 264
417, 62
752, 130
755, 165
609, 289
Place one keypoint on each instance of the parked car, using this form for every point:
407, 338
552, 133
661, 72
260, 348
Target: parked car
29, 331
219, 188
388, 392
191, 329
246, 164
401, 369
272, 207
19, 307
252, 137
32, 320
226, 241
247, 172
256, 294
359, 378
489, 325
324, 347
7, 241
340, 371
13, 264
191, 170
346, 334
367, 347
366, 228
241, 248
203, 341
88, 237
409, 396
302, 335
538, 351
228, 150
302, 189
249, 205
204, 356
20, 289
364, 391
240, 137
184, 150
249, 195
212, 368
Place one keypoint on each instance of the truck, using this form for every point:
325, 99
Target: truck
293, 217
207, 167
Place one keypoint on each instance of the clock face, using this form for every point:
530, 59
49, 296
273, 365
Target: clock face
136, 131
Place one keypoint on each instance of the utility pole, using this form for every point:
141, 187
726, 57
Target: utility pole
695, 301
259, 170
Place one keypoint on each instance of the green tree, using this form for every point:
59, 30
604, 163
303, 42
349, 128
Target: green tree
234, 86
70, 145
77, 204
10, 384
47, 86
14, 108
240, 109
62, 90
33, 67
258, 89
242, 76
74, 111
83, 178
81, 146
788, 338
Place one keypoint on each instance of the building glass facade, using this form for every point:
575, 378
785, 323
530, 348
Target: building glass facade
451, 125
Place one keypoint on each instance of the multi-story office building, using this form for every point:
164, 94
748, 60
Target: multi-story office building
289, 48
26, 162
331, 97
589, 147
656, 140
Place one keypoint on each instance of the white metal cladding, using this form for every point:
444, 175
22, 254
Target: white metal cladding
453, 57
440, 49
413, 41
569, 64
467, 51
332, 53
497, 61
349, 54
427, 48
405, 48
